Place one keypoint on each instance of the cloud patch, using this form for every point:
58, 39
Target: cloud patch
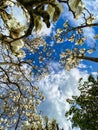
57, 88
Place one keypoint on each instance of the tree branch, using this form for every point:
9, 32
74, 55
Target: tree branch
81, 26
18, 121
88, 58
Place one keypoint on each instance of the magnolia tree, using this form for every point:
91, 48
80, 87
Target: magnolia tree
19, 97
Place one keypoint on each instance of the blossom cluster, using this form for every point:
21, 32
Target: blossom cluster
16, 103
72, 58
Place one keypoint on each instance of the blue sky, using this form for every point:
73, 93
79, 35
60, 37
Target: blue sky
61, 84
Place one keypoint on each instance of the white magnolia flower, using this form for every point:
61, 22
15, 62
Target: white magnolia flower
38, 102
15, 48
63, 54
26, 126
51, 11
90, 51
14, 121
67, 67
68, 51
82, 51
80, 41
71, 39
36, 88
5, 120
59, 40
26, 123
12, 23
65, 24
21, 54
90, 19
17, 45
77, 6
59, 31
16, 28
9, 3
1, 119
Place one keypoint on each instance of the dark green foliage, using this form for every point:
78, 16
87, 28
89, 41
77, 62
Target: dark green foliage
84, 108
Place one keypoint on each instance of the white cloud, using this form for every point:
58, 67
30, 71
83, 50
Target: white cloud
95, 73
57, 88
90, 33
82, 66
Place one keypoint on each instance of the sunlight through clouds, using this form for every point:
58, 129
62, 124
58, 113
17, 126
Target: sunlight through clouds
57, 87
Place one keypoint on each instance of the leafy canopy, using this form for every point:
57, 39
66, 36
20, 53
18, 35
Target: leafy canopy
83, 111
